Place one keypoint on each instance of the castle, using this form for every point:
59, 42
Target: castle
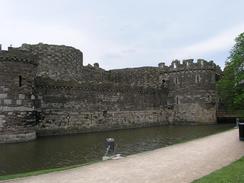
46, 90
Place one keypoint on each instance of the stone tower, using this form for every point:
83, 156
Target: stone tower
192, 89
56, 61
17, 70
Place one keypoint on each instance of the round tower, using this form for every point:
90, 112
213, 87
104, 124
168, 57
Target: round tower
56, 61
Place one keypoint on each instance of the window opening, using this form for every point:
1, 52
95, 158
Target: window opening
20, 81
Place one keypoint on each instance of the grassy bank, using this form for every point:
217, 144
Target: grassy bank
39, 172
234, 173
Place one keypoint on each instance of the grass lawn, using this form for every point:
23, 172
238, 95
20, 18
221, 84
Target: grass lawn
39, 172
234, 173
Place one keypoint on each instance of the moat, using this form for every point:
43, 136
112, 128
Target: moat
61, 151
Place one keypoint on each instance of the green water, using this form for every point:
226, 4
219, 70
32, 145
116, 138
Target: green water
61, 151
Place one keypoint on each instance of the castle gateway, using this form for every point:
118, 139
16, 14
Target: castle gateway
46, 89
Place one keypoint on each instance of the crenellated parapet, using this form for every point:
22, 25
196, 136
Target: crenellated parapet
189, 64
191, 82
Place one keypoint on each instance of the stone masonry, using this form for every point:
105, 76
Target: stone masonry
46, 88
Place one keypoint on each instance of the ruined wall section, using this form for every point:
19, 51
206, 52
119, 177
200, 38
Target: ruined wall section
143, 77
64, 63
101, 100
17, 70
56, 61
92, 74
79, 107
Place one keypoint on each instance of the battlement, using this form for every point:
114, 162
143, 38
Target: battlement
15, 55
189, 64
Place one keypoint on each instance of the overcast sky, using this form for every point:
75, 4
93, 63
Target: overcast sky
127, 33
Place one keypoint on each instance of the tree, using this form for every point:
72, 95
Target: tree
231, 85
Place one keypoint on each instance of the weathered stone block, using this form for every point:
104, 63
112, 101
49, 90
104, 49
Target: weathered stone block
21, 96
7, 101
3, 95
19, 102
5, 89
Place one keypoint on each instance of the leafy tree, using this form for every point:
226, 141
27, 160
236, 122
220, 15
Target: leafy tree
231, 85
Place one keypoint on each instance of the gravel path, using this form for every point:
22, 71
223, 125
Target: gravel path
177, 163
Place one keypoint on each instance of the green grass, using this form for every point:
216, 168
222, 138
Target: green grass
234, 173
39, 172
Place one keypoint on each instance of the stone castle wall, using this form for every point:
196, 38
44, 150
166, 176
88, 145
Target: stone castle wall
60, 96
192, 89
89, 106
143, 76
17, 72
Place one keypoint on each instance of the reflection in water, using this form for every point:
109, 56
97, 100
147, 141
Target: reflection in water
60, 151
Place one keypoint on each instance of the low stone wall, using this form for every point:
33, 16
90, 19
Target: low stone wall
194, 114
63, 123
15, 137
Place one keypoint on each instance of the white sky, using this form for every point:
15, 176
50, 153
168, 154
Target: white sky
128, 33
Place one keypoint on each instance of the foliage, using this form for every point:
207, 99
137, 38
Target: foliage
233, 173
230, 87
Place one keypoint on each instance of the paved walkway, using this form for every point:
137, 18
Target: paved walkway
178, 163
